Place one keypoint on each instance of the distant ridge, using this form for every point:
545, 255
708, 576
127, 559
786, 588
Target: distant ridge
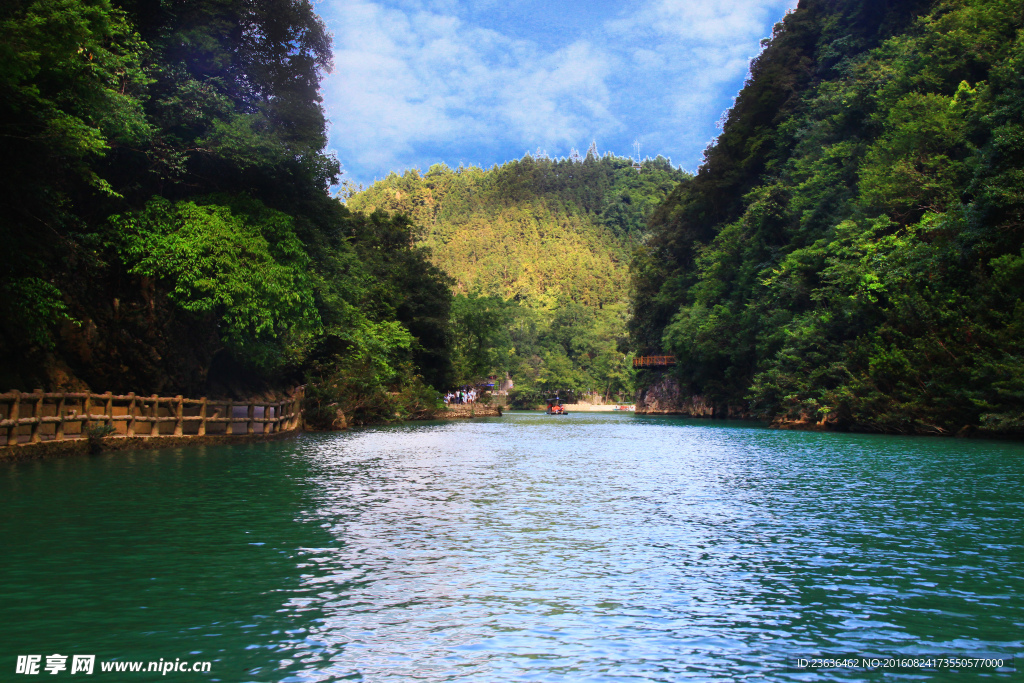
531, 228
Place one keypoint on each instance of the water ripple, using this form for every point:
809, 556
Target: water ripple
615, 548
527, 548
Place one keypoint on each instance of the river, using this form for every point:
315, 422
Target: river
590, 547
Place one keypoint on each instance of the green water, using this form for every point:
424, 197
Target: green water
594, 547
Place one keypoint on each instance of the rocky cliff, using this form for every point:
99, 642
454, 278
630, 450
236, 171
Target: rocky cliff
664, 396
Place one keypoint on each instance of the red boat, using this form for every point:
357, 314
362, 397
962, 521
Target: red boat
555, 407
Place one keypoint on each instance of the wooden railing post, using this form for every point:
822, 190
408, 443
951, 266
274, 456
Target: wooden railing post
202, 417
230, 408
37, 415
12, 431
130, 424
58, 431
108, 408
154, 412
86, 410
248, 425
178, 409
144, 414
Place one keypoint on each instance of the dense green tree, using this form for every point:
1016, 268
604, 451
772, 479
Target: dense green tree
136, 135
549, 238
482, 343
848, 257
534, 229
69, 74
245, 267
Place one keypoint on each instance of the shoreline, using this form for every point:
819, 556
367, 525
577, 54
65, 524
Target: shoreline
664, 396
67, 447
466, 411
965, 432
82, 446
78, 447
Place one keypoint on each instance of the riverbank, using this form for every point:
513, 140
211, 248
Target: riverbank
466, 411
666, 397
84, 446
809, 425
50, 449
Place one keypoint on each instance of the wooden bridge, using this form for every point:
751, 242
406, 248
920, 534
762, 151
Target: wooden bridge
37, 417
653, 361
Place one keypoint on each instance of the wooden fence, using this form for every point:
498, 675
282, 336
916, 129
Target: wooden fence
37, 417
653, 361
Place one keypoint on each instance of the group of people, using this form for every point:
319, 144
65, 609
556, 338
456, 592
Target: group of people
460, 396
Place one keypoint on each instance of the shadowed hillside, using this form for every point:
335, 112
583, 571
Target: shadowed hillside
850, 250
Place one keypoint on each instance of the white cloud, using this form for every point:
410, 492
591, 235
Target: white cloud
404, 79
414, 75
698, 50
708, 23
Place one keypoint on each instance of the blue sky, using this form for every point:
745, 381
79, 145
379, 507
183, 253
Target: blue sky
418, 82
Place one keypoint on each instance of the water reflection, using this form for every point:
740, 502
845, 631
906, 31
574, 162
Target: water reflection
589, 547
607, 547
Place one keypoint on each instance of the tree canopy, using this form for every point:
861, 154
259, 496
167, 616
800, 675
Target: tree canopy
534, 227
537, 250
849, 250
167, 225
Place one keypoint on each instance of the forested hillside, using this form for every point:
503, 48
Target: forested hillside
535, 228
166, 224
538, 251
850, 250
